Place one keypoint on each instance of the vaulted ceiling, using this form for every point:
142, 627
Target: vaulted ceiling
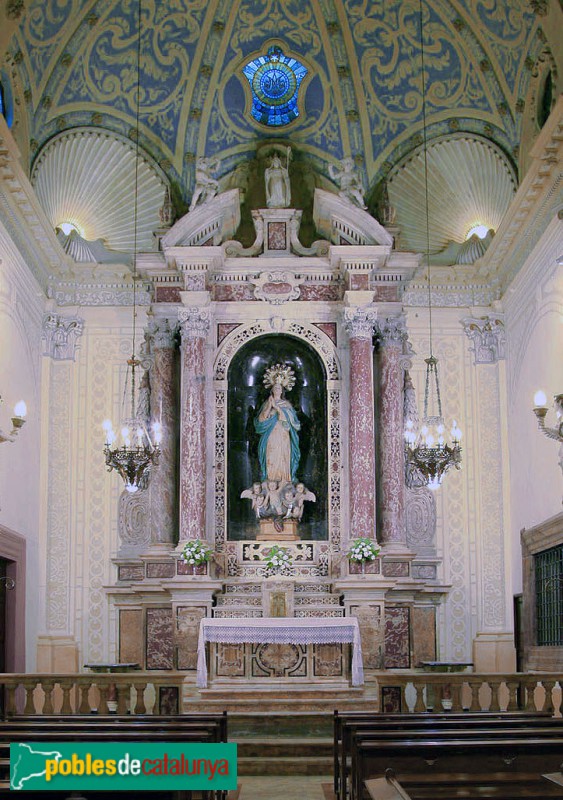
73, 63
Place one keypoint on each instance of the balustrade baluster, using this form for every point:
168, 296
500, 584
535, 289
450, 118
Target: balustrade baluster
474, 687
420, 705
66, 707
456, 697
123, 697
403, 690
48, 687
548, 701
29, 689
10, 699
103, 689
494, 685
140, 707
530, 694
512, 695
84, 688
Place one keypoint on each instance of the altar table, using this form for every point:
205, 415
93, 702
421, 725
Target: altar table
281, 630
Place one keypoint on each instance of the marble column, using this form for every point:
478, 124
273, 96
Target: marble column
391, 334
359, 324
163, 488
194, 326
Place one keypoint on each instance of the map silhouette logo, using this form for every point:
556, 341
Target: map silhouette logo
27, 763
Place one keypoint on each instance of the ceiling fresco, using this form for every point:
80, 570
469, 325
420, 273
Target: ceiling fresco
74, 64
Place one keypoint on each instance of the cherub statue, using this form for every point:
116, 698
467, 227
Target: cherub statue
206, 186
273, 501
256, 495
349, 180
294, 500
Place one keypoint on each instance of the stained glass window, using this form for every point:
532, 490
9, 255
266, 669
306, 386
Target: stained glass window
274, 81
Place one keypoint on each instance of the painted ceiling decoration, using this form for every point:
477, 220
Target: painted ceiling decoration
347, 83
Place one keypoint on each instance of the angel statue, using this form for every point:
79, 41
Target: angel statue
349, 181
206, 186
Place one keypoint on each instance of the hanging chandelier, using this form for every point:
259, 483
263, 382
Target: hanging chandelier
427, 455
133, 453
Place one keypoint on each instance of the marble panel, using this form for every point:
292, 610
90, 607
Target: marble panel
167, 294
427, 572
159, 643
168, 700
224, 328
331, 292
229, 660
195, 283
159, 569
396, 569
370, 568
277, 236
186, 635
423, 634
187, 569
397, 639
370, 620
327, 660
131, 636
385, 294
359, 282
391, 700
279, 660
231, 292
329, 328
129, 572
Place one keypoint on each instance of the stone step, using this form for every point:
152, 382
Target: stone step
282, 725
236, 612
314, 599
279, 748
239, 600
309, 698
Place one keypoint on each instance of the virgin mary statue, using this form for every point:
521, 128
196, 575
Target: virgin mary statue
278, 426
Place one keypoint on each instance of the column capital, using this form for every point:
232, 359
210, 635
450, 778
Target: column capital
391, 330
359, 322
60, 335
488, 336
194, 322
161, 333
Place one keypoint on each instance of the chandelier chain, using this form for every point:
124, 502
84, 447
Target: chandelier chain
425, 159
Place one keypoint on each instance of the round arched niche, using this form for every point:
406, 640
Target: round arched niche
245, 395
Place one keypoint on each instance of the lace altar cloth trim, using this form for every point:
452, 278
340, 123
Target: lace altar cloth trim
281, 630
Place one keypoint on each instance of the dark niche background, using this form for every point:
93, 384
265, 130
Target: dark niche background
245, 396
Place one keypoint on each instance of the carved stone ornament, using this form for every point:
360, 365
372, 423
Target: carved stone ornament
60, 336
539, 7
391, 330
133, 519
488, 337
359, 322
194, 322
276, 287
420, 518
161, 333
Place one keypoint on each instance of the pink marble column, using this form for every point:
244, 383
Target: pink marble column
359, 325
194, 326
163, 488
391, 334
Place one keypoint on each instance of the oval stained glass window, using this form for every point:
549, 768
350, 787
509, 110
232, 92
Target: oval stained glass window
274, 82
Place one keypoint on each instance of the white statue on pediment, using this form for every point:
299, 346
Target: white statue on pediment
276, 176
349, 181
206, 187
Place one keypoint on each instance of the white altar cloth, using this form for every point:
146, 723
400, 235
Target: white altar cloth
281, 630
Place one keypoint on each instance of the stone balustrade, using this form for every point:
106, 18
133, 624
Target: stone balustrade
161, 693
47, 694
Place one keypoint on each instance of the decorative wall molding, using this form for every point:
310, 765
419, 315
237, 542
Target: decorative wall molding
276, 287
60, 336
488, 337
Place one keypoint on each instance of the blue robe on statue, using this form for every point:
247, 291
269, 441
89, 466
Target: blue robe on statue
278, 450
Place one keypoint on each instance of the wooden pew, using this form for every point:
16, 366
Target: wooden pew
345, 723
452, 765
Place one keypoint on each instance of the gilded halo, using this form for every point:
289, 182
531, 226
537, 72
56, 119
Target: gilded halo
280, 373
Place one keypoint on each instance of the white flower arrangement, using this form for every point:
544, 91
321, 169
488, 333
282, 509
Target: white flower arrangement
278, 560
195, 552
363, 549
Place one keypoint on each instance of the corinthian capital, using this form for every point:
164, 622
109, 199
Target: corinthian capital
161, 333
391, 330
359, 322
194, 322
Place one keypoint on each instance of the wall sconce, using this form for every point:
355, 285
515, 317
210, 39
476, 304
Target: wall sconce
18, 421
540, 410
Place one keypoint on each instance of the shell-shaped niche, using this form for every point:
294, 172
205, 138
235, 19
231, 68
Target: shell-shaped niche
470, 182
86, 177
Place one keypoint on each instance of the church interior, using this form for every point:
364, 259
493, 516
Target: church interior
281, 375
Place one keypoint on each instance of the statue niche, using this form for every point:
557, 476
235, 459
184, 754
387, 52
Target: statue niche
277, 451
278, 499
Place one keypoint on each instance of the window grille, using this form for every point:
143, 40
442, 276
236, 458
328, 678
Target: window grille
549, 596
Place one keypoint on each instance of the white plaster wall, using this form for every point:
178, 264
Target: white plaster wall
21, 310
81, 538
472, 531
534, 322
